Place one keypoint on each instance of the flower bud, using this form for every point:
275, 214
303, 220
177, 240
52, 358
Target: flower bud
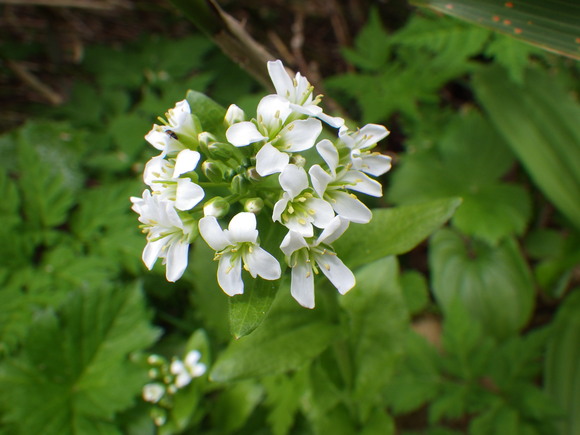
298, 160
217, 207
215, 171
254, 205
159, 416
153, 392
233, 115
205, 139
239, 185
223, 151
252, 174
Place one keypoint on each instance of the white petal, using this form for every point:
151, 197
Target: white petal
212, 233
151, 252
279, 207
230, 274
329, 153
300, 225
177, 367
370, 134
350, 208
333, 121
176, 260
188, 194
272, 111
333, 230
375, 164
362, 183
242, 228
270, 160
300, 135
293, 180
192, 358
243, 133
280, 78
154, 170
158, 139
260, 262
320, 179
302, 285
336, 272
320, 211
186, 161
292, 242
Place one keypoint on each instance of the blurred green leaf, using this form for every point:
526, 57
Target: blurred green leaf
284, 393
493, 283
393, 231
415, 291
540, 122
73, 373
235, 405
210, 114
562, 369
549, 24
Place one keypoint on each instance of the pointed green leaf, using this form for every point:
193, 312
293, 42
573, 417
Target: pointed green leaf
540, 122
289, 337
393, 231
210, 114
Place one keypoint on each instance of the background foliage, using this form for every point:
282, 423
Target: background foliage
467, 328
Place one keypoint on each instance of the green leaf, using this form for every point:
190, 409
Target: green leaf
248, 310
289, 337
73, 373
372, 45
210, 114
512, 54
378, 321
493, 283
284, 393
415, 291
549, 24
562, 369
393, 231
540, 123
235, 405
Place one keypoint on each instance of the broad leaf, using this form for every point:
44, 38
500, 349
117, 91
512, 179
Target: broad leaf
493, 283
393, 231
210, 114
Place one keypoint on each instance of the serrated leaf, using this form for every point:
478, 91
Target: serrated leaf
73, 373
371, 45
512, 54
288, 338
393, 231
283, 395
493, 283
235, 405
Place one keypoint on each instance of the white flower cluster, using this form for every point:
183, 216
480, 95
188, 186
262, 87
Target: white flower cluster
255, 172
168, 378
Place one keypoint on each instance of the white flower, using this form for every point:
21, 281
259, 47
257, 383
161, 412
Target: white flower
153, 392
332, 187
235, 245
168, 236
282, 138
163, 176
298, 92
360, 143
185, 371
306, 258
179, 131
298, 209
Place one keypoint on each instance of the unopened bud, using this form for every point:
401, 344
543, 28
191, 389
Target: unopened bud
254, 205
298, 160
222, 151
234, 114
205, 139
239, 185
214, 171
158, 415
252, 174
217, 207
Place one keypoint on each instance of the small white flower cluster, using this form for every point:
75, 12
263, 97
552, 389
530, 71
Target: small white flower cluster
255, 170
167, 379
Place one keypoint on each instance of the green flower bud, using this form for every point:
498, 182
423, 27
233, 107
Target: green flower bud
217, 207
239, 185
223, 151
298, 160
254, 205
234, 114
215, 171
159, 416
252, 174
